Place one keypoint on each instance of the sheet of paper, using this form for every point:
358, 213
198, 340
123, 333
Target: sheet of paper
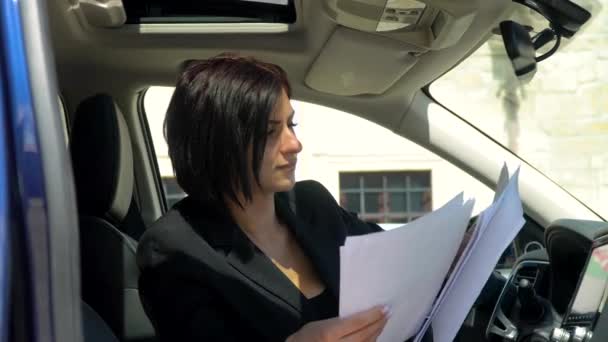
403, 268
464, 256
476, 234
497, 233
503, 179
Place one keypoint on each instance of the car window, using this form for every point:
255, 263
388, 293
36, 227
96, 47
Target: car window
558, 122
369, 170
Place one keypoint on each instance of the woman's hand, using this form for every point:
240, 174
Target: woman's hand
361, 327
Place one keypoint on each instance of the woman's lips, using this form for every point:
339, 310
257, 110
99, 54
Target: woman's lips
290, 166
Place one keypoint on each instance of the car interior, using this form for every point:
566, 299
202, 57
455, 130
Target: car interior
374, 59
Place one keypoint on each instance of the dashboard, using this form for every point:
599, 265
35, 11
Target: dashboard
558, 293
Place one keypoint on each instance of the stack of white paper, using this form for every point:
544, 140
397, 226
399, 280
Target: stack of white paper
415, 269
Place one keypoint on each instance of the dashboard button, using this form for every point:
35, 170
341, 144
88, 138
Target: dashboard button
560, 335
580, 334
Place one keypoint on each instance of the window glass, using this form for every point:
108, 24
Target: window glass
362, 164
395, 197
558, 122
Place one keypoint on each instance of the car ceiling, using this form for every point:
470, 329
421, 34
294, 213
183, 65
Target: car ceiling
122, 61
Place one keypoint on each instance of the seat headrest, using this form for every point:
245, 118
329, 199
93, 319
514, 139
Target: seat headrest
102, 158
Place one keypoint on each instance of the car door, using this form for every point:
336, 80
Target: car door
38, 236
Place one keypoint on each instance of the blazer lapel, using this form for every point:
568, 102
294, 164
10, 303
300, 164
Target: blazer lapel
317, 241
315, 238
223, 234
324, 252
252, 263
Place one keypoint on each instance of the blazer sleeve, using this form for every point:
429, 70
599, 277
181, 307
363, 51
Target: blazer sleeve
356, 226
185, 310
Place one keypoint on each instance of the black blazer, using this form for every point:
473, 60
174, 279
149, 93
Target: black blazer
203, 280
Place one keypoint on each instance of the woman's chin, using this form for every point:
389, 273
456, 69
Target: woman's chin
284, 185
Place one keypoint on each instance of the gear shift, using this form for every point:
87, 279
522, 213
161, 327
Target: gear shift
532, 309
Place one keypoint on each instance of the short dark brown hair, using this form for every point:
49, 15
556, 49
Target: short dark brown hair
220, 108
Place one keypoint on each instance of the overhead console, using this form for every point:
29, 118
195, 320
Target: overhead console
428, 24
377, 41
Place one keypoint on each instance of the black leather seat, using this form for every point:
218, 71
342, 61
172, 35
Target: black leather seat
110, 221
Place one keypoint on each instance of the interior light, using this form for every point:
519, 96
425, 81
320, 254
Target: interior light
399, 14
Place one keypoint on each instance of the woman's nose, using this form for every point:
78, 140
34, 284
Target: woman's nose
290, 143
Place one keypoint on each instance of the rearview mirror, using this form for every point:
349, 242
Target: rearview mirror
520, 49
565, 16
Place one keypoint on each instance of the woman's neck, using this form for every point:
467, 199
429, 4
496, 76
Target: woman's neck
257, 217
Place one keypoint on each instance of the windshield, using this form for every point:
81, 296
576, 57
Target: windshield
558, 122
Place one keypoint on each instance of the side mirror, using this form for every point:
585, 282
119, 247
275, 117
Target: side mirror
520, 49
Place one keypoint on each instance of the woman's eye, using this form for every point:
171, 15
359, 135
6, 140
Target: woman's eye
273, 131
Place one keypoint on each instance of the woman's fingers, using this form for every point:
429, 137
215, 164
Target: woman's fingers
377, 333
361, 327
368, 332
358, 321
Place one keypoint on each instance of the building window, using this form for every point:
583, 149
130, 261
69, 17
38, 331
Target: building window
173, 192
386, 197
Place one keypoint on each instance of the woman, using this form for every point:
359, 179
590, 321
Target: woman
249, 254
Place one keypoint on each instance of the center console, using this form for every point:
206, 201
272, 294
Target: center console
589, 299
557, 294
522, 309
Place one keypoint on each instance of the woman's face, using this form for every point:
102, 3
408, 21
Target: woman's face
277, 172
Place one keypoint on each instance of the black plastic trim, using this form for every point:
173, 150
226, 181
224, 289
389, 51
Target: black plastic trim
210, 11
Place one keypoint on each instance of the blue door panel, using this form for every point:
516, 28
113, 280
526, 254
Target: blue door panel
5, 245
21, 158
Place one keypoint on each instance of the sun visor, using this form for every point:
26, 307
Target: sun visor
357, 63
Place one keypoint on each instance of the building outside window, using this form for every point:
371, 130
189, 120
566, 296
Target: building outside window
386, 197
